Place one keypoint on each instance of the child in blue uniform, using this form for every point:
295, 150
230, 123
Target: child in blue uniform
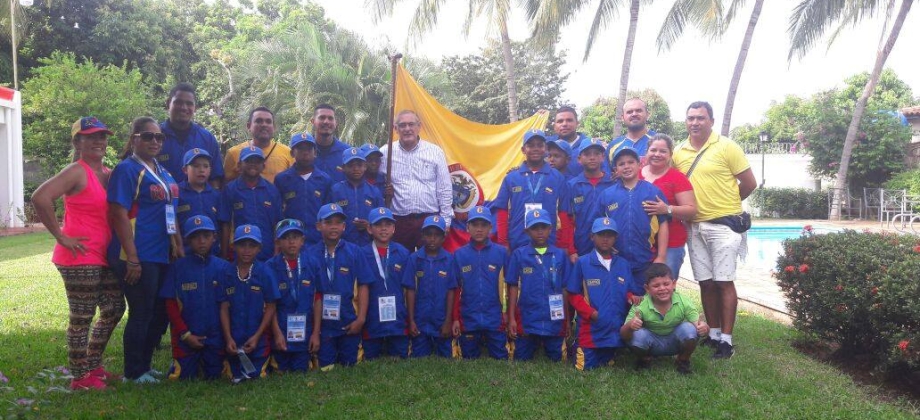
480, 266
580, 207
304, 187
250, 199
196, 196
191, 291
534, 185
430, 284
597, 289
536, 293
558, 155
356, 197
297, 273
374, 157
247, 306
386, 328
342, 293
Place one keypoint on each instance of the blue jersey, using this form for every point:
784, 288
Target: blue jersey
296, 287
522, 189
540, 279
378, 180
581, 202
330, 161
259, 205
640, 145
480, 275
177, 143
356, 202
194, 203
144, 196
389, 285
303, 198
247, 301
638, 233
431, 278
340, 274
196, 283
605, 291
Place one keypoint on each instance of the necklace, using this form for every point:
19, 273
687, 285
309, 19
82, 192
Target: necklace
240, 276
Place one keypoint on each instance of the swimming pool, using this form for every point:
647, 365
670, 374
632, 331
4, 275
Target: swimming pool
765, 243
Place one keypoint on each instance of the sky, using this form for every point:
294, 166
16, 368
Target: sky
694, 69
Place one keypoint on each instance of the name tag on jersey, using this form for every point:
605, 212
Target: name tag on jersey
528, 270
386, 306
189, 287
516, 189
593, 282
578, 200
290, 195
183, 209
556, 312
296, 328
466, 268
332, 305
238, 205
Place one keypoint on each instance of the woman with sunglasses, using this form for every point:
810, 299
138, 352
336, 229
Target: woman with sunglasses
142, 198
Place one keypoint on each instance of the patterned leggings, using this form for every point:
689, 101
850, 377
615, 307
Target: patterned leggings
89, 287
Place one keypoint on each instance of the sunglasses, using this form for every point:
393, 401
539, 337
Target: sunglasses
151, 136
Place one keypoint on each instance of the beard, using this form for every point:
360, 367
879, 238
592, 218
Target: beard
635, 127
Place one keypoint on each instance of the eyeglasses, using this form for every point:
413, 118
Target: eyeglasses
151, 136
406, 124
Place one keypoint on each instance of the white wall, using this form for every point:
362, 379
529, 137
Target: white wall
783, 170
11, 200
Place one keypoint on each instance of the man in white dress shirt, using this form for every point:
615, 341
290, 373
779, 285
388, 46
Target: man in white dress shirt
420, 182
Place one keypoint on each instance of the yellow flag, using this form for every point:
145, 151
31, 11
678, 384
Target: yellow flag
486, 151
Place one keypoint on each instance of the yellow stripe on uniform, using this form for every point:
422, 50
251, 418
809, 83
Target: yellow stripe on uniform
653, 223
176, 371
580, 359
455, 351
264, 371
565, 351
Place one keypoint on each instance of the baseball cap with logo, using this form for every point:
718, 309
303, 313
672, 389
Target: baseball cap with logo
602, 224
351, 154
299, 138
380, 213
435, 221
479, 213
195, 224
535, 217
88, 125
592, 143
329, 210
244, 232
250, 152
532, 134
369, 149
625, 151
561, 145
194, 153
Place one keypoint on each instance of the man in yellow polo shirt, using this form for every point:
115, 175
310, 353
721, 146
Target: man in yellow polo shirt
278, 158
721, 178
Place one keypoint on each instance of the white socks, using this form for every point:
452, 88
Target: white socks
727, 338
715, 334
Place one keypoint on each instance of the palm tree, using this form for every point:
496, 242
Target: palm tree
548, 17
426, 18
811, 18
708, 17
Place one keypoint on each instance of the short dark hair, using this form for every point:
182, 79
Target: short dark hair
181, 87
566, 108
702, 104
323, 106
257, 109
656, 270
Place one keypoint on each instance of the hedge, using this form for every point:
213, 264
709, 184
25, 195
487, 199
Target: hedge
790, 203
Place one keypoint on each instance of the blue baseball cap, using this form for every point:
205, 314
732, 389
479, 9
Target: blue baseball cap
251, 151
479, 213
329, 210
351, 154
561, 145
369, 149
88, 125
192, 154
625, 151
535, 217
195, 224
592, 143
299, 138
603, 224
380, 213
531, 134
243, 232
288, 225
435, 221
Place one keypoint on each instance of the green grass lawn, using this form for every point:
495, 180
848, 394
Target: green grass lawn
765, 379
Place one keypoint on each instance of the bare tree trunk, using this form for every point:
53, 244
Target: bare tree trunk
627, 62
860, 107
739, 68
510, 73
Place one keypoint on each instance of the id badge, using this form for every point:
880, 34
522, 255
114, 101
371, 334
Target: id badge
296, 328
387, 308
332, 305
556, 312
170, 219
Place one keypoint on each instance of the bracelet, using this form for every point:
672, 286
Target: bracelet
132, 263
185, 335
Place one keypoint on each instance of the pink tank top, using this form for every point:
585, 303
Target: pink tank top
86, 215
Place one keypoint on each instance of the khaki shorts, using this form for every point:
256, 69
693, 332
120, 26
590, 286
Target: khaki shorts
714, 251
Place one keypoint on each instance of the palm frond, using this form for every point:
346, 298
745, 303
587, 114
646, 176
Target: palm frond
811, 18
547, 18
425, 18
606, 12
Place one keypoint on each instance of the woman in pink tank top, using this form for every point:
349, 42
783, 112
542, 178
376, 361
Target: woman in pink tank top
80, 252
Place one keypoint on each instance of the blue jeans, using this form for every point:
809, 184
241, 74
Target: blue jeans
663, 345
675, 260
147, 319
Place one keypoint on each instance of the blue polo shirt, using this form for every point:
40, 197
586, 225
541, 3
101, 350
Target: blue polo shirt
379, 181
537, 277
296, 288
394, 265
330, 161
194, 203
574, 166
195, 283
479, 273
640, 145
431, 278
605, 290
177, 143
356, 202
581, 202
133, 188
341, 274
522, 186
638, 233
303, 198
259, 205
247, 301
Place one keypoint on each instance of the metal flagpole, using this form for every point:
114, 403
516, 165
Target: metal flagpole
394, 63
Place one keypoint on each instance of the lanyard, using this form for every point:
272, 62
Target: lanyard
534, 189
382, 266
330, 263
155, 176
292, 282
552, 268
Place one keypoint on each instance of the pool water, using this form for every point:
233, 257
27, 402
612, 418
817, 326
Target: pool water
765, 243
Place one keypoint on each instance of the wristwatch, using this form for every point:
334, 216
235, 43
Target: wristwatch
669, 211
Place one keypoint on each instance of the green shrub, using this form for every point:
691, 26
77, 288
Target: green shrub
907, 180
790, 203
858, 290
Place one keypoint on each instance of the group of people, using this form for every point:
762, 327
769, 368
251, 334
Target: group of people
284, 258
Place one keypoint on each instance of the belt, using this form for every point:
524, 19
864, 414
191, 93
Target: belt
414, 215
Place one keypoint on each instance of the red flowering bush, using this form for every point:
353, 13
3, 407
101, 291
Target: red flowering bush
858, 289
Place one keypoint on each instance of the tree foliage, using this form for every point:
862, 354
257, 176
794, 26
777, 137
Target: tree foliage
598, 119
